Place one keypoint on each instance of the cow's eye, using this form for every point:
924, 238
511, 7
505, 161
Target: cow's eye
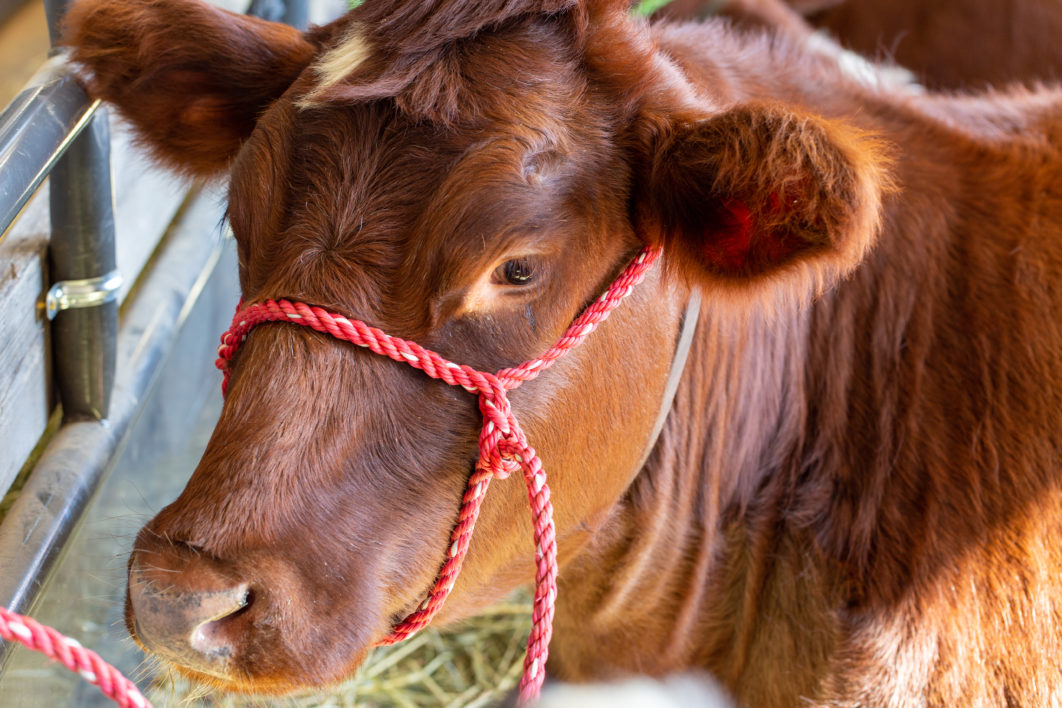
518, 271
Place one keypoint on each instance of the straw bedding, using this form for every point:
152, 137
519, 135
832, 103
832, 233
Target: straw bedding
477, 663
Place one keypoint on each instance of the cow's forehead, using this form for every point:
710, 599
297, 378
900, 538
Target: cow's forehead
384, 126
366, 188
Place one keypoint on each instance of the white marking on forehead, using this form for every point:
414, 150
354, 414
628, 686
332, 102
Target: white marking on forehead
342, 60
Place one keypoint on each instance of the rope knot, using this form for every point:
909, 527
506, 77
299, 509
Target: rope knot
497, 413
501, 441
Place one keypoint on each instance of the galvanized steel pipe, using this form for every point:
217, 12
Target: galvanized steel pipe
81, 249
36, 128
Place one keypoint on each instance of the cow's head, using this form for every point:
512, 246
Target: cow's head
468, 175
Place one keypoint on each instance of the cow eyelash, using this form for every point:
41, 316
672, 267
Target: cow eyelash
517, 271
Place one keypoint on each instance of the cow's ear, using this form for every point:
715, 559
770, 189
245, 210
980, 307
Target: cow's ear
758, 194
192, 78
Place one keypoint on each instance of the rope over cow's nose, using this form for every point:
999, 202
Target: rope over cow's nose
503, 447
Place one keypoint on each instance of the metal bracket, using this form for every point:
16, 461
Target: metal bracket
88, 292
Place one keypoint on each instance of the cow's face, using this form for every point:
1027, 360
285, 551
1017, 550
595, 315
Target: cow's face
333, 479
475, 206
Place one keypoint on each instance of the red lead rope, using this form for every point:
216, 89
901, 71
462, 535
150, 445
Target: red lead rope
503, 447
87, 663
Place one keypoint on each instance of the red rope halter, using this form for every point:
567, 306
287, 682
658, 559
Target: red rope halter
503, 447
87, 663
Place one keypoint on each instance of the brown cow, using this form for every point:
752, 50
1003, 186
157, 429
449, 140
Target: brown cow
948, 44
857, 496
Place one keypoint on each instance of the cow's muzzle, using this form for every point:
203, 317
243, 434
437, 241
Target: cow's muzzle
190, 613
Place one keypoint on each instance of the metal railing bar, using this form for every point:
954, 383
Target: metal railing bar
80, 251
36, 128
54, 10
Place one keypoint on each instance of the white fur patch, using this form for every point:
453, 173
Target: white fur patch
861, 69
343, 60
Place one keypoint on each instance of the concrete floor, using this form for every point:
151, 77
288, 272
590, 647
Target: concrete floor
23, 48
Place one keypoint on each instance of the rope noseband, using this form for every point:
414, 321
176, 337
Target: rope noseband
503, 447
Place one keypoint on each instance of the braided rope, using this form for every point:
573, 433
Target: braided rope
87, 663
503, 447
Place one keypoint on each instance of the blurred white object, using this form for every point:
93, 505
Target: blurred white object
684, 691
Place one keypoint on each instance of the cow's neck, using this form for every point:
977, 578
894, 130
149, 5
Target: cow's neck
738, 415
686, 336
707, 561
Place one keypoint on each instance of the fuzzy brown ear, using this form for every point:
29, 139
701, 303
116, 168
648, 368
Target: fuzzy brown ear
758, 193
193, 79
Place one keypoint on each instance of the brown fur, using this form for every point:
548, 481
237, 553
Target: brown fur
238, 65
948, 44
856, 498
953, 44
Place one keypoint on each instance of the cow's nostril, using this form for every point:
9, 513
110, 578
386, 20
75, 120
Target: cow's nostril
248, 600
193, 615
213, 638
